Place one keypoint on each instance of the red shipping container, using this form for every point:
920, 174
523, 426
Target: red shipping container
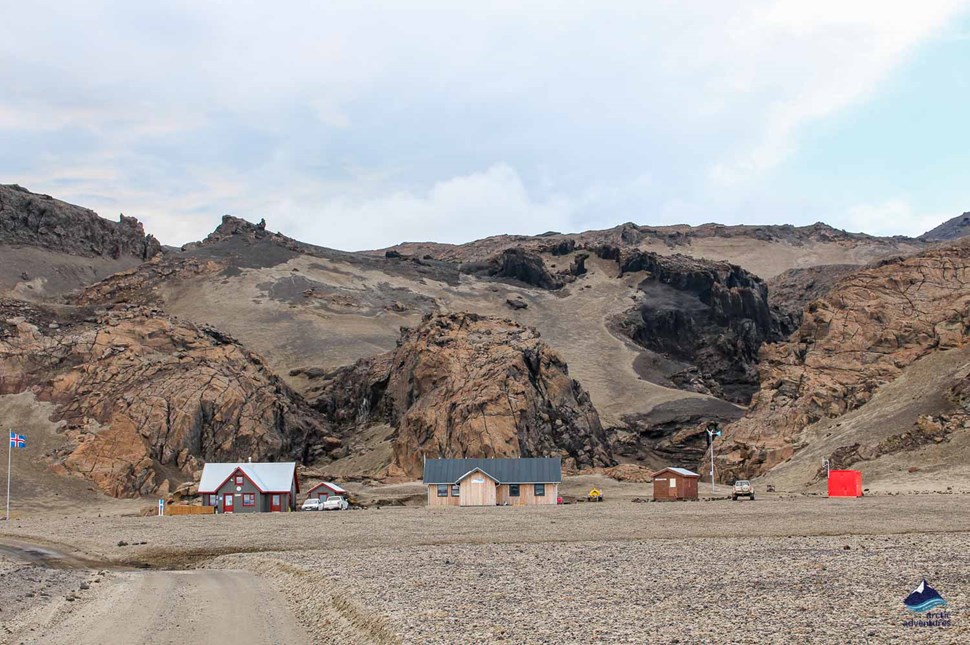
845, 483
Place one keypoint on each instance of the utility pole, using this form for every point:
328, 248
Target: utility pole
712, 431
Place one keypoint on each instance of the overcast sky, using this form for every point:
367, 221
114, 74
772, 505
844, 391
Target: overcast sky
356, 124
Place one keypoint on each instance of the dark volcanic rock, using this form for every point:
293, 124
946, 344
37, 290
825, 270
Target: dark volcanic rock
674, 432
233, 226
463, 385
29, 219
525, 266
714, 315
949, 230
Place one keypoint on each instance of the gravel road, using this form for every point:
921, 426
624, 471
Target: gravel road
62, 602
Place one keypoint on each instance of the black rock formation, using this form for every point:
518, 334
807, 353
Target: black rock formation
714, 315
29, 219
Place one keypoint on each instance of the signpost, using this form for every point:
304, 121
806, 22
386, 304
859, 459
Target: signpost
712, 431
161, 507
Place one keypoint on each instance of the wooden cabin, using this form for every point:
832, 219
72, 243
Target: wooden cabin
671, 484
249, 487
493, 482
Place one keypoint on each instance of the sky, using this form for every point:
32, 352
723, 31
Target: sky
359, 124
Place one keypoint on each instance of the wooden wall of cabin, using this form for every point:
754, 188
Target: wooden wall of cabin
527, 496
434, 500
477, 490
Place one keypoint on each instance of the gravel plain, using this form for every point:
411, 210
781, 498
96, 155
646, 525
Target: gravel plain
782, 569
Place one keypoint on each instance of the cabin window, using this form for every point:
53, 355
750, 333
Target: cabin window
239, 480
249, 499
455, 490
213, 500
540, 490
442, 490
513, 490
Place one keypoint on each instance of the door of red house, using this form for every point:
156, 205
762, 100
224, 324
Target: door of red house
227, 503
275, 503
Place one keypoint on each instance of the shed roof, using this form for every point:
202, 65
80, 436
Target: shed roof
332, 486
679, 471
525, 470
269, 477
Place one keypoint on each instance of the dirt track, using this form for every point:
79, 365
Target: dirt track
85, 607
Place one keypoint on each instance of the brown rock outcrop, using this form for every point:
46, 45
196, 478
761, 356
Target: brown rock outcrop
30, 219
463, 385
790, 293
860, 336
146, 397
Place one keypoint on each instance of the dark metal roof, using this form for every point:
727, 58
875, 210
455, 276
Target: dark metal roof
526, 470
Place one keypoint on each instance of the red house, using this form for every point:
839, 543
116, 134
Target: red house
845, 483
249, 487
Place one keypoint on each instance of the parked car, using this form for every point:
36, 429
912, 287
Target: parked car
742, 488
312, 504
336, 503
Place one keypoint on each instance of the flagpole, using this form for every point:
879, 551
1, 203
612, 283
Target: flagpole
9, 453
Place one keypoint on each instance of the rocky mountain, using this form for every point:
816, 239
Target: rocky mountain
951, 229
146, 399
49, 247
862, 335
662, 329
461, 385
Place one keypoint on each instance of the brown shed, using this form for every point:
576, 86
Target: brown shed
671, 484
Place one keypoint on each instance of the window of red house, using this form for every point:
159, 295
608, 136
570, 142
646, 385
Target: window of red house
239, 480
249, 499
213, 500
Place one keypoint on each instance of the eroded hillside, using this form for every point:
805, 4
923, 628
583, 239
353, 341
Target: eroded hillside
869, 328
146, 399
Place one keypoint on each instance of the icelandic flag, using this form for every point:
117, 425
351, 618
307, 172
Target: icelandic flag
17, 440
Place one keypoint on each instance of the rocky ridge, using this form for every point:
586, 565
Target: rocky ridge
29, 219
466, 385
630, 235
869, 327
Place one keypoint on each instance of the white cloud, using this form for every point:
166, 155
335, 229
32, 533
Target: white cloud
893, 217
826, 55
454, 210
361, 124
